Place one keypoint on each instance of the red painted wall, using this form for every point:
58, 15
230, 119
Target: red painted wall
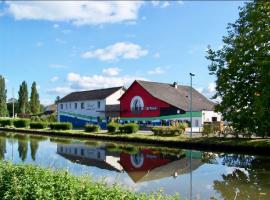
137, 90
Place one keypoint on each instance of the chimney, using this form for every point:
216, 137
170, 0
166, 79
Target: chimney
175, 85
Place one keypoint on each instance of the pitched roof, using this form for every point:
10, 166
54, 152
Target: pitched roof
90, 94
178, 97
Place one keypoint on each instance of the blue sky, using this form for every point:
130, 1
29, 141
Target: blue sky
70, 46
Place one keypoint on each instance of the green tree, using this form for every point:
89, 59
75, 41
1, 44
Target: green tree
23, 99
3, 98
34, 144
34, 100
242, 70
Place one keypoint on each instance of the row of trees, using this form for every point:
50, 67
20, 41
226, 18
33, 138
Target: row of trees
24, 105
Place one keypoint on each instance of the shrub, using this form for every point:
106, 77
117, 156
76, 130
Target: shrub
38, 125
129, 128
113, 127
183, 126
91, 128
207, 129
61, 126
6, 122
167, 130
21, 123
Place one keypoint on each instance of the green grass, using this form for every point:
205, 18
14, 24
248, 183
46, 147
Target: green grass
27, 182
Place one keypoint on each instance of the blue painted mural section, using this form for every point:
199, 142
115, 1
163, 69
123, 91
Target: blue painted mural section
76, 122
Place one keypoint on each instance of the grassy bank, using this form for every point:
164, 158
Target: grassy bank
31, 182
250, 146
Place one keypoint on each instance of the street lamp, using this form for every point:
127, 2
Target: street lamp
190, 103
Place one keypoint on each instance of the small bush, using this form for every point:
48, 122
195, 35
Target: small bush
113, 127
21, 123
91, 128
167, 130
60, 126
207, 129
38, 125
129, 128
183, 126
6, 122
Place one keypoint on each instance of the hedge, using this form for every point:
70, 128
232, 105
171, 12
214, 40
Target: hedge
167, 130
91, 128
38, 125
113, 127
21, 123
31, 182
129, 128
6, 122
60, 126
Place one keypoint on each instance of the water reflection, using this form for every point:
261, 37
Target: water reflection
193, 174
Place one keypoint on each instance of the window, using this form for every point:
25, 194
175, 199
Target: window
214, 119
75, 151
70, 105
82, 105
66, 105
196, 123
82, 152
75, 105
98, 104
61, 105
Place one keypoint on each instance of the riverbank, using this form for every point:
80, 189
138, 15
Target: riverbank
240, 145
19, 181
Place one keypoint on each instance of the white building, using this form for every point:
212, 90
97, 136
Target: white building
93, 106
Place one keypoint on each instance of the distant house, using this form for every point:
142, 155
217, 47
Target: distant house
93, 106
50, 109
153, 103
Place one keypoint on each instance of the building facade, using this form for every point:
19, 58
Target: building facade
153, 103
92, 107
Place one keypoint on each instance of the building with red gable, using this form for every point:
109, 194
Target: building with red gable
153, 103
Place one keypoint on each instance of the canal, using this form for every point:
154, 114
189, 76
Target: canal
143, 168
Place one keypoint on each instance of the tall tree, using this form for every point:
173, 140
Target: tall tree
3, 98
242, 70
23, 99
34, 99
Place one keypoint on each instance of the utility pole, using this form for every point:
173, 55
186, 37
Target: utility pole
190, 105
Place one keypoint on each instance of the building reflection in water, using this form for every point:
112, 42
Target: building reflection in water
144, 165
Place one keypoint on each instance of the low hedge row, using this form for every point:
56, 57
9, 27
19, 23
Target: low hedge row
38, 125
61, 126
129, 128
21, 123
113, 127
6, 122
167, 130
91, 128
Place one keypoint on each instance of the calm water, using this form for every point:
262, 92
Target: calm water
191, 174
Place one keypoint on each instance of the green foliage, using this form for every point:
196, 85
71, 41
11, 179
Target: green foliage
91, 128
167, 130
61, 126
31, 182
23, 99
3, 98
34, 100
207, 129
242, 70
113, 127
129, 128
183, 126
21, 123
38, 125
6, 122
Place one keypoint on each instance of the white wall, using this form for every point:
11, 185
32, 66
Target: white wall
114, 98
207, 116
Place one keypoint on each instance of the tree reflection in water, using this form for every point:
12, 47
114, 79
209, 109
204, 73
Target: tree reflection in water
249, 181
2, 148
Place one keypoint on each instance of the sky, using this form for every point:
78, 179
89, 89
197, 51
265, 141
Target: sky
69, 46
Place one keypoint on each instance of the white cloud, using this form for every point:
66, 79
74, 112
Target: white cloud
112, 71
60, 41
124, 50
60, 90
157, 70
165, 4
56, 26
57, 66
208, 91
54, 79
76, 12
161, 4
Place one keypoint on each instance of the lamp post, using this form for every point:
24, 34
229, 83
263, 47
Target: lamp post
190, 104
